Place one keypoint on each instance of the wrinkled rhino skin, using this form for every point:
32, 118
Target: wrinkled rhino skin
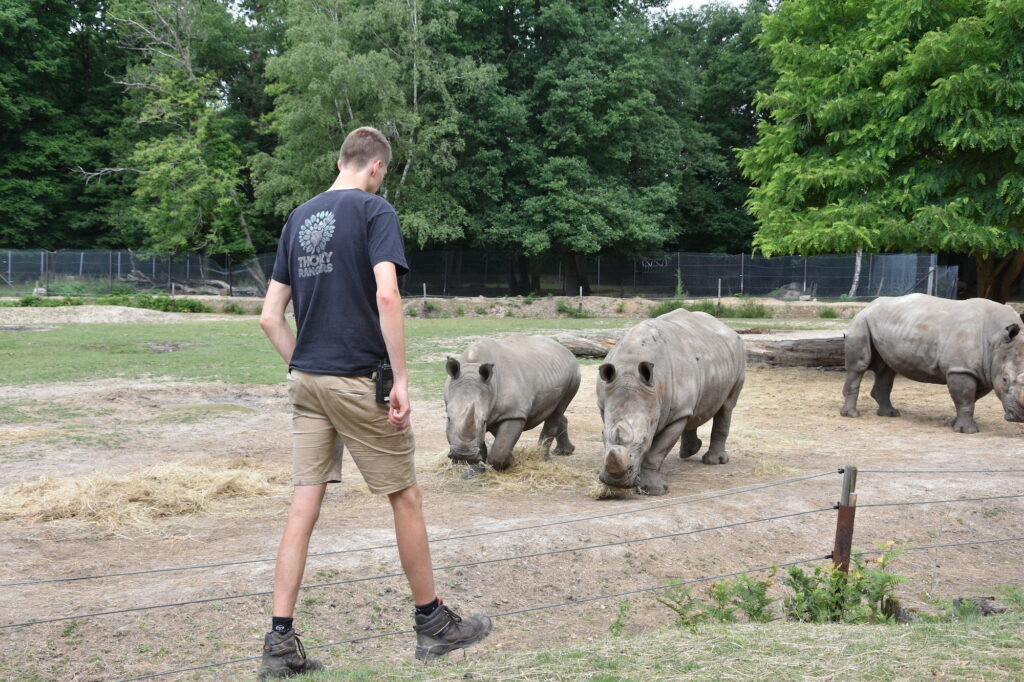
507, 386
665, 378
972, 346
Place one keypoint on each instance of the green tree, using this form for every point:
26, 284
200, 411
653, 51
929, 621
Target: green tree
581, 152
57, 110
191, 129
349, 63
895, 126
713, 56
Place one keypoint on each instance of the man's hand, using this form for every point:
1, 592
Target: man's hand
399, 411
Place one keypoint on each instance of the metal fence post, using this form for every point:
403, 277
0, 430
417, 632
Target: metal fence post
847, 508
741, 273
805, 274
46, 269
231, 278
110, 272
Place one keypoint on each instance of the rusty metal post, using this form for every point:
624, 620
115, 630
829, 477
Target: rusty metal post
847, 509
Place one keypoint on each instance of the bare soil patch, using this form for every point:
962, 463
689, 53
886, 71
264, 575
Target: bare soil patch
785, 425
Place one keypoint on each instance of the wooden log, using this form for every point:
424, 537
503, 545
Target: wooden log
777, 353
828, 352
589, 345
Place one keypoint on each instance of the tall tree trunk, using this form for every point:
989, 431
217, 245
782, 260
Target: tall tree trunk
856, 273
575, 273
253, 264
997, 274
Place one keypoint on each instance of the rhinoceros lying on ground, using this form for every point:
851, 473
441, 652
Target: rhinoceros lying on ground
506, 386
665, 378
971, 346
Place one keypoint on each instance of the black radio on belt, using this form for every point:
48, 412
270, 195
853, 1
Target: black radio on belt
384, 379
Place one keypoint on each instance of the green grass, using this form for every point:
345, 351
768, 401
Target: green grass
980, 648
231, 351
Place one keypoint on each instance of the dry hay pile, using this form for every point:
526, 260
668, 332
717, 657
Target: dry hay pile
528, 472
137, 499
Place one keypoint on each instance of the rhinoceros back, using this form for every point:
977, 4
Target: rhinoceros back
534, 376
702, 360
924, 338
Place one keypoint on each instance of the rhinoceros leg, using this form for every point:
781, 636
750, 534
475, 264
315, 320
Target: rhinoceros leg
650, 481
882, 390
506, 435
858, 360
716, 453
963, 388
690, 445
556, 429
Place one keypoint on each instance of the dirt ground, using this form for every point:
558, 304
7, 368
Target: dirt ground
786, 425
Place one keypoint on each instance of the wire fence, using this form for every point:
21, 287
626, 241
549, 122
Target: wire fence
485, 273
644, 507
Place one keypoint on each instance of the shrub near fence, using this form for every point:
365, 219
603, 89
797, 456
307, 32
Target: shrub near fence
481, 273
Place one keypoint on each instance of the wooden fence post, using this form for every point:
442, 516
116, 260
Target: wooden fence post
847, 510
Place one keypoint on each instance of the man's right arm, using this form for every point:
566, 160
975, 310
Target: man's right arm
392, 327
273, 321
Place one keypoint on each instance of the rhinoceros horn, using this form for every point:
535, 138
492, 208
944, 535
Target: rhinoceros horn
469, 424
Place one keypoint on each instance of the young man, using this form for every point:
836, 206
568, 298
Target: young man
338, 261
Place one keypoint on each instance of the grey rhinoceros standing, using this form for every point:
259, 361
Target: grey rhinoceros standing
506, 386
971, 346
665, 378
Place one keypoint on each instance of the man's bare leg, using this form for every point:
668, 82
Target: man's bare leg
413, 548
291, 554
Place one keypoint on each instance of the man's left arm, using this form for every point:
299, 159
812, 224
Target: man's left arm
273, 321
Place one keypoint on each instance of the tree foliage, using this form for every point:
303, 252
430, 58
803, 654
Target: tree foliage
894, 126
57, 108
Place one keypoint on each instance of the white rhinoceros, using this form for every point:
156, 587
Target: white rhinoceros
971, 346
506, 386
665, 378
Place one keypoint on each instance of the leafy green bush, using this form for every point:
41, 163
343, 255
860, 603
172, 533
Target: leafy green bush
564, 308
67, 288
480, 310
864, 595
747, 309
665, 307
233, 308
530, 298
460, 311
828, 314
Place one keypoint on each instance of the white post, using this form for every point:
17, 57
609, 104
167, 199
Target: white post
9, 267
581, 291
805, 274
424, 290
741, 273
719, 290
81, 262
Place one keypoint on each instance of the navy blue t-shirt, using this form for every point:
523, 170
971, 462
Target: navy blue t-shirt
326, 254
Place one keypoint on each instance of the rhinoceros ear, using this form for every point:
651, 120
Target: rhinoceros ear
1012, 331
606, 372
646, 370
453, 367
486, 370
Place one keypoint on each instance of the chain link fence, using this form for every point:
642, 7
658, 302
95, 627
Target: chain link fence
483, 273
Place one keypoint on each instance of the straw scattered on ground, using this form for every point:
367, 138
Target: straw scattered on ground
528, 472
137, 499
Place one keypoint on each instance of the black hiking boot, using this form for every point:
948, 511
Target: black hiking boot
444, 631
284, 656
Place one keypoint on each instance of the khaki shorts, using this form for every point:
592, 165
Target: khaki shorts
330, 411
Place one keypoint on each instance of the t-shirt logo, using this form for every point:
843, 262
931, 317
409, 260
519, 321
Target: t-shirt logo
314, 235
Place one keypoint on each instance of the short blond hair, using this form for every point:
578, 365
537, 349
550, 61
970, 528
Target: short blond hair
363, 146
